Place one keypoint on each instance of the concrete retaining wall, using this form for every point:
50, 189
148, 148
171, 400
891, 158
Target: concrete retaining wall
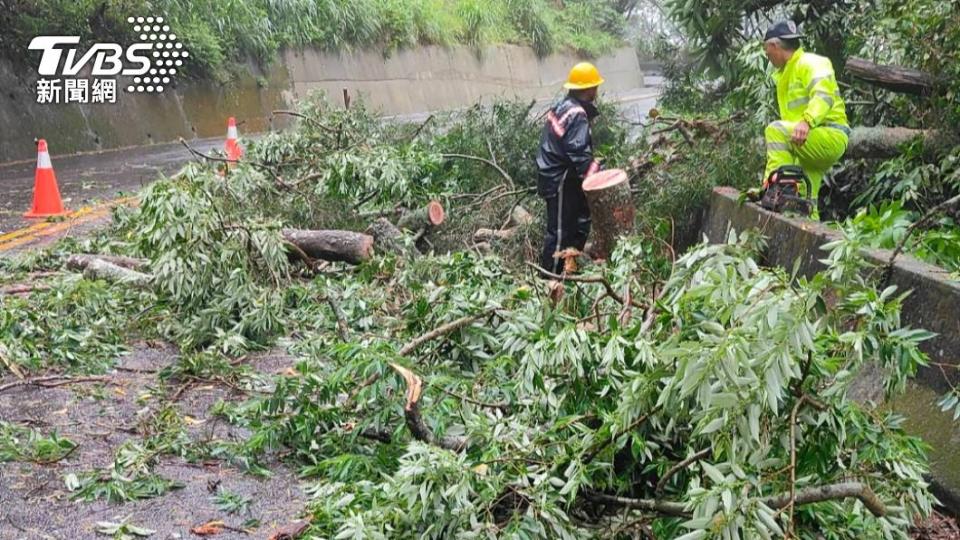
934, 305
409, 82
436, 78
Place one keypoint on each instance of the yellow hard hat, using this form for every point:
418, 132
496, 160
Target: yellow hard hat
583, 75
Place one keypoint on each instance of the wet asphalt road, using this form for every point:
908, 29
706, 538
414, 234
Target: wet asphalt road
85, 179
91, 178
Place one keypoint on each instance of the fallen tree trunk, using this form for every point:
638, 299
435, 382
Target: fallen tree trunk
426, 218
346, 246
895, 78
611, 209
94, 267
885, 142
389, 239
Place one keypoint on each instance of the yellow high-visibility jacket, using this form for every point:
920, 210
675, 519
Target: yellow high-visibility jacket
807, 90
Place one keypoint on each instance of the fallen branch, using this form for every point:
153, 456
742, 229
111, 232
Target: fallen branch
94, 267
414, 420
80, 262
679, 467
343, 328
312, 121
24, 289
499, 169
810, 495
52, 381
932, 213
595, 451
444, 330
587, 279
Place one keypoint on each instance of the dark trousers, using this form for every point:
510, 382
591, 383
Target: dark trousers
568, 223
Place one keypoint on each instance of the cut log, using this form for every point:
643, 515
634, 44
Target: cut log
611, 209
94, 267
346, 246
80, 262
389, 239
486, 235
426, 218
519, 217
885, 142
895, 78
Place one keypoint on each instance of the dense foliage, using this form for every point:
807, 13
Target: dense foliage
544, 415
219, 32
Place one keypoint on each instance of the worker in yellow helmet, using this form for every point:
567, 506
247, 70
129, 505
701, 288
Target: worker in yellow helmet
564, 160
812, 132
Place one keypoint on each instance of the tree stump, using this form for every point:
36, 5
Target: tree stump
346, 246
426, 218
611, 209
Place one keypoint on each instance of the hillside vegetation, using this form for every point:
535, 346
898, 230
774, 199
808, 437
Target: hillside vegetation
218, 32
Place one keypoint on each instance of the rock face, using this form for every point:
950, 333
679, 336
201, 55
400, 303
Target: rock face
932, 305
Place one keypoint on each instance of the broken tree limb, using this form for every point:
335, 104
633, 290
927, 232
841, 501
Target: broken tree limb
427, 218
587, 279
80, 262
810, 495
895, 78
486, 235
445, 329
611, 209
346, 246
94, 267
52, 381
499, 169
414, 419
680, 466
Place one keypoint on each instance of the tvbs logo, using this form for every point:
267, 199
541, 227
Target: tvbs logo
150, 64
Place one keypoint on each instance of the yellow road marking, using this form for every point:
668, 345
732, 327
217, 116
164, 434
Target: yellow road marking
36, 231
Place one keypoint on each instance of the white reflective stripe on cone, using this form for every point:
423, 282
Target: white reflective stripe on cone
232, 132
43, 161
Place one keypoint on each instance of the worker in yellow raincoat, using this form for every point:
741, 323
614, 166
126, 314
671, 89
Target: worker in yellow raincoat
812, 131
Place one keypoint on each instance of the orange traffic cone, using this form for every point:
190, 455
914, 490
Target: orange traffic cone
233, 149
46, 194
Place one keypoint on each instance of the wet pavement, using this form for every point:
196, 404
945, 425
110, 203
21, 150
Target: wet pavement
86, 179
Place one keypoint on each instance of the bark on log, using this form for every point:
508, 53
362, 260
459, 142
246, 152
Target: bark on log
80, 262
94, 267
895, 78
611, 208
519, 217
426, 218
486, 235
388, 238
346, 246
884, 142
